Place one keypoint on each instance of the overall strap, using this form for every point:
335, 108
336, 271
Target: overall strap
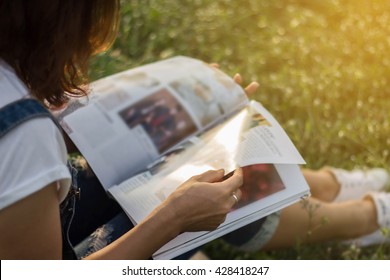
20, 111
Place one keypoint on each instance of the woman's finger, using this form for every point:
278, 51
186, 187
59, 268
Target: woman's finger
235, 197
238, 79
251, 88
211, 176
233, 182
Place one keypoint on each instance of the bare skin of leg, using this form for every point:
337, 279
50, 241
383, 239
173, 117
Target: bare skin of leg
323, 184
303, 222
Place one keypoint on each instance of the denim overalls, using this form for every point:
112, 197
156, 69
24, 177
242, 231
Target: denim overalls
19, 112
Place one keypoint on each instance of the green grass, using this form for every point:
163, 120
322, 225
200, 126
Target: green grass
323, 67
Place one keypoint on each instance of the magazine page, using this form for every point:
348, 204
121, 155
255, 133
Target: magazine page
278, 186
134, 117
267, 186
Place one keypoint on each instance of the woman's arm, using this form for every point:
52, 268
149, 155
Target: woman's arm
201, 203
31, 228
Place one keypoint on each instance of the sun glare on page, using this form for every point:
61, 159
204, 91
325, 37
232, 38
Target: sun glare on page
230, 135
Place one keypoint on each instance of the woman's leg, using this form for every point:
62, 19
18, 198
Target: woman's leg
319, 218
313, 221
331, 184
323, 184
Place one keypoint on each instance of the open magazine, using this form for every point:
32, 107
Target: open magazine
147, 130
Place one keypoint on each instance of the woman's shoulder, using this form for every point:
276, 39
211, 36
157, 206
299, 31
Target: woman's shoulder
33, 153
33, 156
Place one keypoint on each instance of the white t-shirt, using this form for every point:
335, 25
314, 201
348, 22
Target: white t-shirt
33, 154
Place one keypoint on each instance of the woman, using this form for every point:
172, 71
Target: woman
44, 49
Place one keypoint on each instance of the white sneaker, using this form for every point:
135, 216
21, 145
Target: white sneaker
382, 235
356, 183
376, 238
382, 205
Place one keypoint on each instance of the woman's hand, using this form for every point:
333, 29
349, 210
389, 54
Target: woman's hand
203, 201
249, 89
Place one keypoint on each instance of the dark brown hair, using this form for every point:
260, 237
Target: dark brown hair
49, 42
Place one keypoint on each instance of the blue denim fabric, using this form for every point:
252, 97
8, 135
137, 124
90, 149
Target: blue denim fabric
67, 211
244, 234
18, 112
98, 219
